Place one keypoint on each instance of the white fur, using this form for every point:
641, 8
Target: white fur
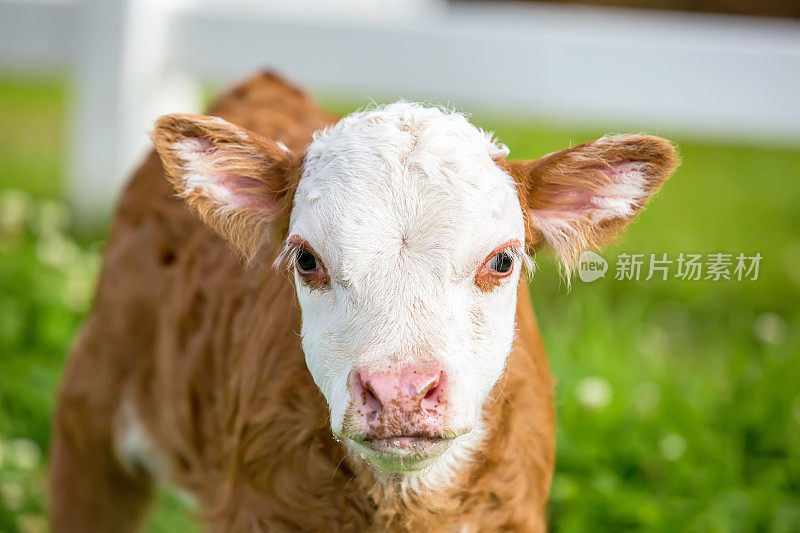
134, 446
199, 173
561, 228
403, 204
625, 193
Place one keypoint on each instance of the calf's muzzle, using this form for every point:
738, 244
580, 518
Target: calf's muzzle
405, 403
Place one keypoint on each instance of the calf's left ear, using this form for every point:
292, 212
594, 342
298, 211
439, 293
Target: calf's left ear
582, 197
239, 183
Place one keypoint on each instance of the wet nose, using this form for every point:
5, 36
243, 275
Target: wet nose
408, 393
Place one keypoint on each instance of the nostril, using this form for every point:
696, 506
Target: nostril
405, 393
368, 397
430, 388
432, 393
372, 403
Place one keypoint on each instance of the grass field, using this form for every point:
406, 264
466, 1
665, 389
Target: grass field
678, 401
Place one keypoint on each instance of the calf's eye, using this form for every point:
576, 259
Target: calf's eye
309, 268
306, 262
496, 267
501, 263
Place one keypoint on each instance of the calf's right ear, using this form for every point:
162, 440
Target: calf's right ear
239, 183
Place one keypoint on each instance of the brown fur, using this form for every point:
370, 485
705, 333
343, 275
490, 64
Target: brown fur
205, 351
585, 168
246, 156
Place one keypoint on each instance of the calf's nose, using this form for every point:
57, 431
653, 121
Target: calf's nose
411, 391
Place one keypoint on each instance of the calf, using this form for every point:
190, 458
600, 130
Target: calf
351, 346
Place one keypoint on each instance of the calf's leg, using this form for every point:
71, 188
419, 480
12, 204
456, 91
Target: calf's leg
90, 491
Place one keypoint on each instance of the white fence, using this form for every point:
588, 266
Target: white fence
715, 76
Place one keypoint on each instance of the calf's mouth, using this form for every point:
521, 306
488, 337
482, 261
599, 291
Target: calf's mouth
402, 452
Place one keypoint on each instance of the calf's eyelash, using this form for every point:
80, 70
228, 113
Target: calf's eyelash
486, 278
285, 258
517, 251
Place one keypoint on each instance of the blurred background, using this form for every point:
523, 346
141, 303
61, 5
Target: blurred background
678, 401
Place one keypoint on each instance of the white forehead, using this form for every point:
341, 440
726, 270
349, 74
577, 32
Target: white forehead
405, 177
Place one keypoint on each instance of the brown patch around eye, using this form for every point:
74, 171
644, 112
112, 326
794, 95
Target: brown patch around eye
316, 278
486, 278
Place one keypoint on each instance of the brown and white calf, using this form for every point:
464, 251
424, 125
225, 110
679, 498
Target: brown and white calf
373, 363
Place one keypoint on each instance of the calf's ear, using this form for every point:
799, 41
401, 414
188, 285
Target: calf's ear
582, 197
239, 183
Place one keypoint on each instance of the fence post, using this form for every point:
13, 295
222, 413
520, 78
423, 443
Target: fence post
122, 82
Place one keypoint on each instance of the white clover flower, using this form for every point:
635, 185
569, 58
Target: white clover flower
646, 398
673, 447
769, 328
654, 342
24, 453
13, 494
57, 251
80, 280
32, 523
593, 392
78, 289
14, 208
52, 217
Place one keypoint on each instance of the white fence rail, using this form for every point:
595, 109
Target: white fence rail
716, 76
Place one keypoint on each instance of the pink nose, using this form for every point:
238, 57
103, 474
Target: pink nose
410, 401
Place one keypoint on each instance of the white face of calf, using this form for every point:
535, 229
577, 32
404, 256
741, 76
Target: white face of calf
406, 211
406, 239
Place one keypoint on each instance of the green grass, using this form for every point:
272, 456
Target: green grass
678, 401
